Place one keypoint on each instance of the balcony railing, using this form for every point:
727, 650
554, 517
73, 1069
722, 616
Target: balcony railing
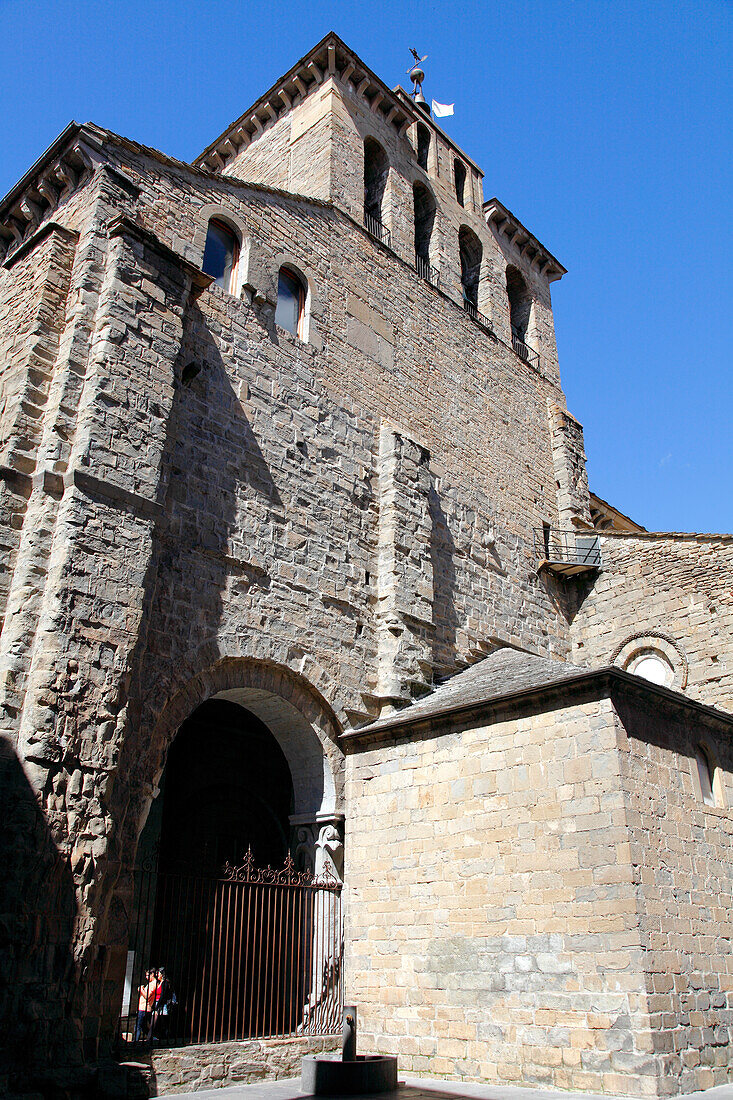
425, 271
376, 229
474, 312
523, 351
567, 552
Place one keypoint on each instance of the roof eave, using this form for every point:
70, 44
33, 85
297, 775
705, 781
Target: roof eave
50, 154
331, 40
603, 679
549, 265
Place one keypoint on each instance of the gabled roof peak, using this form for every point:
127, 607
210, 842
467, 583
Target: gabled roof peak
329, 57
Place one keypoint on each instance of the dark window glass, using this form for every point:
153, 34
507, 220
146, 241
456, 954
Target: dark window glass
290, 302
459, 173
705, 772
423, 145
424, 207
520, 303
471, 254
376, 170
220, 255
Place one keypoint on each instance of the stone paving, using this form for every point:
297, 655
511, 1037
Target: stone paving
416, 1088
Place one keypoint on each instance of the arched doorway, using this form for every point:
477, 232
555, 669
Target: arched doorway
238, 876
226, 788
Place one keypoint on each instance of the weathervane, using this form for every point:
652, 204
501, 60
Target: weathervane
417, 76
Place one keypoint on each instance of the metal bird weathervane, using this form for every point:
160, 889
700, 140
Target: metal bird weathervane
417, 76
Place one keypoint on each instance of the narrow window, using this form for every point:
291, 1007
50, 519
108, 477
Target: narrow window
424, 208
376, 170
471, 254
459, 176
423, 145
706, 774
290, 309
520, 304
546, 540
221, 254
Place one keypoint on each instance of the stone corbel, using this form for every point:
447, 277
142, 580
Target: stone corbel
30, 211
14, 226
89, 158
66, 176
47, 191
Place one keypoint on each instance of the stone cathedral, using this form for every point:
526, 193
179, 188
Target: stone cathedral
323, 675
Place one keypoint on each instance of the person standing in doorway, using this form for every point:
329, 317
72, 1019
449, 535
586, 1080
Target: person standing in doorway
145, 1005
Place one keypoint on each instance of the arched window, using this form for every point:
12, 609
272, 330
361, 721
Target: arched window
520, 303
376, 170
423, 145
651, 665
424, 206
290, 309
459, 177
221, 255
471, 253
706, 775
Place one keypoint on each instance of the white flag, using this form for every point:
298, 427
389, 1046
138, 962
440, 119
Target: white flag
440, 110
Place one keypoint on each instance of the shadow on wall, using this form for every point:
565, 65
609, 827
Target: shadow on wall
442, 553
37, 912
211, 460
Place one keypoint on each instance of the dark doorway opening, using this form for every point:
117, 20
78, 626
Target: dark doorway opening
226, 788
247, 954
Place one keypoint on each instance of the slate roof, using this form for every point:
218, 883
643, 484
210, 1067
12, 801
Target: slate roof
509, 673
504, 672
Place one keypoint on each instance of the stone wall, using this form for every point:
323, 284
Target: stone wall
492, 917
317, 148
32, 313
236, 516
540, 900
682, 868
339, 519
224, 1064
411, 357
668, 592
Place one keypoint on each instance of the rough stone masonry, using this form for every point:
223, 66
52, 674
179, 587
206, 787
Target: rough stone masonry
374, 532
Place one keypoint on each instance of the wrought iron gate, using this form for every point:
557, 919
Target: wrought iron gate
253, 953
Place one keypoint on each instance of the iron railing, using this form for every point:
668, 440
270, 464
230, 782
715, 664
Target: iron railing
580, 549
254, 953
425, 271
528, 354
474, 312
377, 229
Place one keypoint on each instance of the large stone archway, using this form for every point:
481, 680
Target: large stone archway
304, 725
305, 731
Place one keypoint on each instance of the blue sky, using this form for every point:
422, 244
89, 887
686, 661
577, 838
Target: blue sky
604, 126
